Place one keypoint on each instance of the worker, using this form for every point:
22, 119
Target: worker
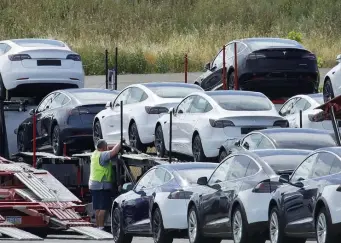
102, 179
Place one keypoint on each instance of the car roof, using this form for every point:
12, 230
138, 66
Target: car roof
234, 92
336, 150
189, 165
90, 90
316, 95
170, 84
272, 131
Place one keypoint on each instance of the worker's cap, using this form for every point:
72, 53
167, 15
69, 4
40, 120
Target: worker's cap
101, 143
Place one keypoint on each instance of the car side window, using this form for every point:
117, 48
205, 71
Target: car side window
185, 105
251, 141
123, 96
57, 101
218, 60
168, 177
199, 105
230, 50
239, 167
304, 170
240, 47
4, 48
298, 105
158, 178
221, 172
44, 105
265, 143
336, 166
136, 95
285, 110
323, 165
252, 169
144, 181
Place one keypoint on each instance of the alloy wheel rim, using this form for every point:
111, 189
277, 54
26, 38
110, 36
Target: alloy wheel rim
237, 227
156, 226
55, 140
321, 228
192, 226
158, 141
97, 135
274, 228
116, 227
132, 136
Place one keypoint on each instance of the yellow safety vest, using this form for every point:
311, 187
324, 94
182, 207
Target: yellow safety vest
97, 172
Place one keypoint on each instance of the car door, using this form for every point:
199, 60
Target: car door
111, 127
294, 117
294, 198
212, 77
42, 112
135, 205
180, 117
285, 111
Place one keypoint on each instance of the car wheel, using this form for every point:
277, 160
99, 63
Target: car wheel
197, 150
21, 141
159, 142
194, 231
134, 138
97, 133
324, 233
117, 228
56, 143
159, 233
328, 92
222, 155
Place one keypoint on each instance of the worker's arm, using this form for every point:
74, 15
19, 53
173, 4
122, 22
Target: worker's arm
106, 156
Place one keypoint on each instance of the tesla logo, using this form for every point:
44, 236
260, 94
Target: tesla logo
284, 52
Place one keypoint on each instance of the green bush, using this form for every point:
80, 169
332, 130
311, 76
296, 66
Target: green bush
154, 35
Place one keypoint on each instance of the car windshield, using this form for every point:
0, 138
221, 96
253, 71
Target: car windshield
261, 44
173, 91
38, 43
95, 96
243, 102
192, 175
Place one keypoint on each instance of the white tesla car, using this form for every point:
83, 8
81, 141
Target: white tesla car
307, 104
202, 122
143, 105
332, 81
36, 67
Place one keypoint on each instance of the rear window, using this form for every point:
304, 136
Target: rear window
173, 92
284, 163
261, 44
96, 96
243, 102
192, 175
38, 43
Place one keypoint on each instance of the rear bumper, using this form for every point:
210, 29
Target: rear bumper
77, 137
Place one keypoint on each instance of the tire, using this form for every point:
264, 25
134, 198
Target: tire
222, 155
194, 231
134, 138
97, 133
276, 230
323, 225
22, 143
197, 150
117, 228
55, 141
328, 92
159, 142
160, 235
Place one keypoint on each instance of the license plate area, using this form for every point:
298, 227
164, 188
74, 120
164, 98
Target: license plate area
246, 130
49, 63
14, 219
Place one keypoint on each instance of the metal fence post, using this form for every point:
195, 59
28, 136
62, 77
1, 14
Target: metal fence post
225, 87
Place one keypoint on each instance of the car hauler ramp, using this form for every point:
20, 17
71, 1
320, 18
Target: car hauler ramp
34, 200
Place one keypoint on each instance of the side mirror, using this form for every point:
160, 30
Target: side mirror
284, 178
202, 181
117, 104
338, 58
298, 184
108, 104
237, 143
127, 187
32, 111
207, 66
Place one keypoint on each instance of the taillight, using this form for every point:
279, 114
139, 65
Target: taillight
263, 187
156, 109
19, 57
221, 123
254, 56
281, 123
78, 111
74, 57
338, 189
309, 56
180, 194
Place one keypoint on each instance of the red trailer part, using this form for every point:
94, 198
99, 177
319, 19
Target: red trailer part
33, 202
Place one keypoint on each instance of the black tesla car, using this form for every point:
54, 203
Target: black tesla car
274, 138
64, 116
233, 202
276, 67
308, 204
